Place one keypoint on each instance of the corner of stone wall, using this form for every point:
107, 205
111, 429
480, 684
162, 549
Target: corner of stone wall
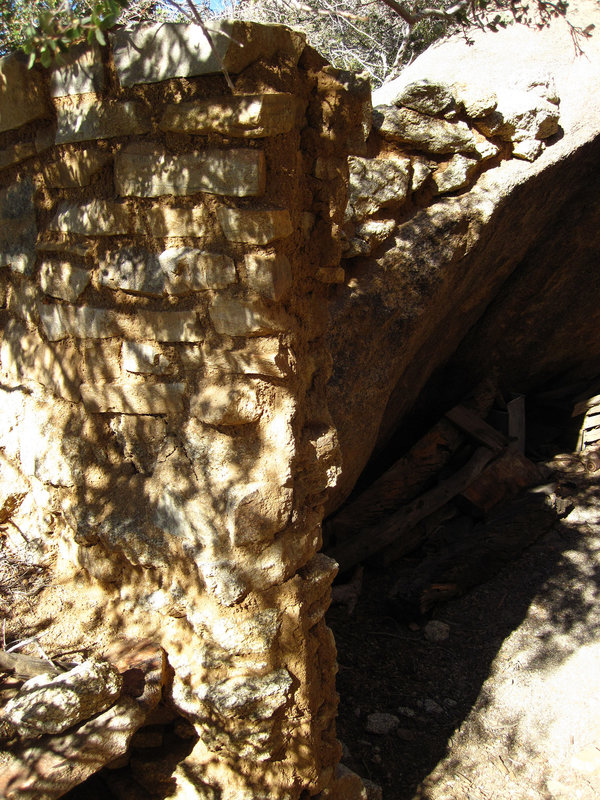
167, 250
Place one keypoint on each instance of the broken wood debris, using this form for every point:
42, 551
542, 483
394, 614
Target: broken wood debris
474, 556
370, 541
471, 423
402, 509
25, 666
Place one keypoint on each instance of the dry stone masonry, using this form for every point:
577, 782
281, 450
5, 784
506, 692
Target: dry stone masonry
168, 252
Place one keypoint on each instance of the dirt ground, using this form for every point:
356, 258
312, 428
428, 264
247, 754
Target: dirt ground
508, 706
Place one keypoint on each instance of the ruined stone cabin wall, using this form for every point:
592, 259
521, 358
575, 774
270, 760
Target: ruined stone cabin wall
170, 253
166, 252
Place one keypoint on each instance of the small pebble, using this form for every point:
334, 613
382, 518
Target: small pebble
381, 723
431, 707
449, 702
436, 631
405, 711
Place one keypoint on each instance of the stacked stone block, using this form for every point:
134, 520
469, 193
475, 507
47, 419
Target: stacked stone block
435, 138
165, 250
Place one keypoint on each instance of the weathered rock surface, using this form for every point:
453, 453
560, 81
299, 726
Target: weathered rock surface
512, 239
49, 768
81, 72
420, 131
424, 96
375, 184
183, 50
18, 227
176, 271
51, 705
21, 95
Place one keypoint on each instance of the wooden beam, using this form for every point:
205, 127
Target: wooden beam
400, 484
588, 404
516, 422
23, 666
472, 424
372, 540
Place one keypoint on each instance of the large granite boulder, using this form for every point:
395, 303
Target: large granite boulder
499, 279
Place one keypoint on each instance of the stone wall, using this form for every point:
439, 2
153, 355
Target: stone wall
166, 250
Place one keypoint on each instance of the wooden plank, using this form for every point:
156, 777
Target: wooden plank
516, 422
413, 538
471, 423
503, 478
591, 435
590, 404
372, 540
400, 484
473, 557
23, 666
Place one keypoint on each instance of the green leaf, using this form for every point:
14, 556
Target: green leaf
31, 61
100, 36
46, 58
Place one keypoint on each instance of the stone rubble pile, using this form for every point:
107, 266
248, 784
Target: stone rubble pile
60, 729
435, 138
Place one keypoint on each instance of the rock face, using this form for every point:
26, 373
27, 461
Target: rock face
495, 280
51, 705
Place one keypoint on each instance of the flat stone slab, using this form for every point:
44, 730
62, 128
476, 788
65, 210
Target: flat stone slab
59, 322
25, 356
96, 218
62, 280
251, 115
86, 119
48, 768
81, 72
162, 220
232, 402
133, 398
421, 132
53, 704
22, 95
176, 271
244, 317
269, 274
264, 356
73, 170
157, 52
255, 227
143, 359
152, 172
18, 228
